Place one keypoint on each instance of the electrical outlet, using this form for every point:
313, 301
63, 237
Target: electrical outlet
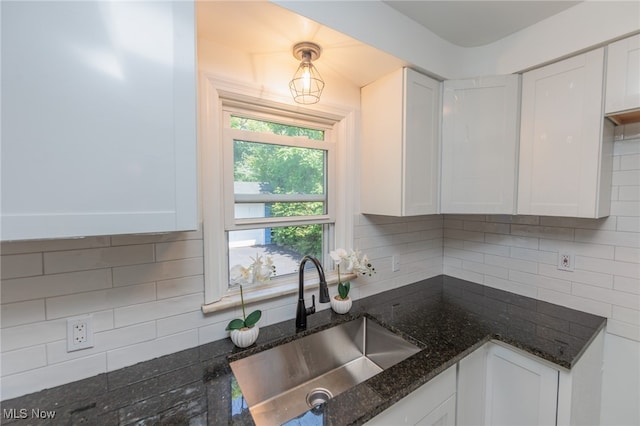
395, 263
79, 333
565, 261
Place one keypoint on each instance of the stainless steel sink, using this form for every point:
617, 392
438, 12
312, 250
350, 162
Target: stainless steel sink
285, 381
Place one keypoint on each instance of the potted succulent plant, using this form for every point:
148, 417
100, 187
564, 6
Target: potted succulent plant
244, 331
351, 261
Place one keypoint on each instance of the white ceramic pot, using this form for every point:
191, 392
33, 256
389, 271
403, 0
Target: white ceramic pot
341, 306
244, 337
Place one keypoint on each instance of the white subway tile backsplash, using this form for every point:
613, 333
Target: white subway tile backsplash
625, 177
628, 193
180, 286
126, 240
510, 285
522, 220
539, 256
19, 313
580, 276
549, 232
511, 263
103, 341
464, 254
629, 224
601, 251
540, 281
495, 249
575, 302
81, 303
52, 375
179, 250
15, 247
19, 289
623, 329
606, 223
630, 162
460, 234
618, 298
26, 335
136, 274
617, 238
158, 309
21, 265
124, 357
485, 269
23, 359
512, 240
493, 227
625, 208
628, 254
631, 316
626, 284
78, 260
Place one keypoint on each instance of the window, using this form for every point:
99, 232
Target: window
269, 186
277, 198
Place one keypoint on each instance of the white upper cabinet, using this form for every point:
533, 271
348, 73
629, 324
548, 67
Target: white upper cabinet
565, 145
98, 118
400, 145
623, 75
480, 145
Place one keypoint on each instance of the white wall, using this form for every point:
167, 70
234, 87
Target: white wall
519, 254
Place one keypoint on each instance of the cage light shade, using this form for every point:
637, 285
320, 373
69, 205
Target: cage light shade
307, 84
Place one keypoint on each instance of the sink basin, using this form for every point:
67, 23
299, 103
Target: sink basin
283, 382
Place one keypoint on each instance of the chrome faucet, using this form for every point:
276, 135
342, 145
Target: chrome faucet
302, 312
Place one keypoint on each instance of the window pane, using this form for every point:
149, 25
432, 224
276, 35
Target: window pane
286, 245
252, 125
261, 170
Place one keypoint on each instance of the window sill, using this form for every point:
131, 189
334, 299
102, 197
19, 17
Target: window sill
264, 293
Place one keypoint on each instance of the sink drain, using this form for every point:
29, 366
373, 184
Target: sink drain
318, 396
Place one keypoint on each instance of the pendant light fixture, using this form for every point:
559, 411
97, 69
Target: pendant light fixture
306, 85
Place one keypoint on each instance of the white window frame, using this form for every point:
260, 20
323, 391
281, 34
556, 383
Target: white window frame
221, 95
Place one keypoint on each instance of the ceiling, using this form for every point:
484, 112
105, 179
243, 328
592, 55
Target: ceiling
476, 23
266, 31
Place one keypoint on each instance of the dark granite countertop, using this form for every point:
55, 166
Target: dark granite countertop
446, 317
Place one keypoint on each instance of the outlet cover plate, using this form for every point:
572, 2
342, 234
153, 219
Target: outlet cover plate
79, 333
566, 260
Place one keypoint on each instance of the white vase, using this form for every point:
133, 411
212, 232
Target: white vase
340, 306
244, 337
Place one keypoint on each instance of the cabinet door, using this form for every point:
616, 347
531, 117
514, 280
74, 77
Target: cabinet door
623, 75
520, 389
98, 118
433, 403
480, 126
400, 145
562, 158
421, 146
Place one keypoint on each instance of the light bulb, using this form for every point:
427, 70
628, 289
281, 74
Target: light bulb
306, 79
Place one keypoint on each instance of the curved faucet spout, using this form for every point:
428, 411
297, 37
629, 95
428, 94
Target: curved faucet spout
302, 311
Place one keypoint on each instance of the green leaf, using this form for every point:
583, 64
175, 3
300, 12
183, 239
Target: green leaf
343, 289
235, 324
253, 318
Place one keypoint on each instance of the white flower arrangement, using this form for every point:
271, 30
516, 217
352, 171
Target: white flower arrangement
350, 261
258, 271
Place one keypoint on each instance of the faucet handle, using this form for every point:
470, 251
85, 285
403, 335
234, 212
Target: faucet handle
312, 309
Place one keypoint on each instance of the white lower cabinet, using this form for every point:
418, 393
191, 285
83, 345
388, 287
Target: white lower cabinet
432, 404
519, 389
502, 385
498, 384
